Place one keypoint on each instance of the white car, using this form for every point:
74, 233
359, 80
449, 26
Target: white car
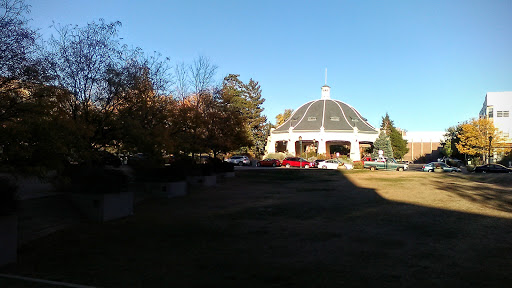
329, 164
240, 160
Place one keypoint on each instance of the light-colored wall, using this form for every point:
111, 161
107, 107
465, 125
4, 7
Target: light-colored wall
500, 101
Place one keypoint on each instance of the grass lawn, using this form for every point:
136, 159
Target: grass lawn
295, 228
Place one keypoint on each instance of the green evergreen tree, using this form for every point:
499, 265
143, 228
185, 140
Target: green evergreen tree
398, 143
255, 121
382, 143
246, 98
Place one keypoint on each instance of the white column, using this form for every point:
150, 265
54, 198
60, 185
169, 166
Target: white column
291, 147
271, 147
355, 153
321, 147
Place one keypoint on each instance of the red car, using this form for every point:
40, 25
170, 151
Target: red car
269, 162
297, 162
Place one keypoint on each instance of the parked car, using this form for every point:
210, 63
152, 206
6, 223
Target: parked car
385, 164
329, 164
240, 160
297, 162
492, 168
269, 162
451, 161
432, 165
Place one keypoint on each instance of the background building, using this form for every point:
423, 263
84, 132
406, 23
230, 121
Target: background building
425, 144
323, 125
497, 107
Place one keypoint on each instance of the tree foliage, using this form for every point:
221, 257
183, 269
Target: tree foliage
478, 137
383, 143
247, 99
398, 143
17, 41
86, 93
281, 118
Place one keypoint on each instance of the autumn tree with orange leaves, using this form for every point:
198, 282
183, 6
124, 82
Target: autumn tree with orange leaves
480, 137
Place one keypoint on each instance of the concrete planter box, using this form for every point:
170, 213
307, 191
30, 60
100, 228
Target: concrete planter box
8, 239
104, 207
195, 180
202, 180
167, 189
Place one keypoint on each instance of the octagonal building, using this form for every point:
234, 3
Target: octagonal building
321, 124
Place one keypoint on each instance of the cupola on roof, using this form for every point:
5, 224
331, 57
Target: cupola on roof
326, 115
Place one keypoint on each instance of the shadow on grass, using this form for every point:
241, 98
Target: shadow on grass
278, 228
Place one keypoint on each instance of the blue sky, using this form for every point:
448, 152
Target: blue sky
426, 63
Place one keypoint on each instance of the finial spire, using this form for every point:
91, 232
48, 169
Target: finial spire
326, 90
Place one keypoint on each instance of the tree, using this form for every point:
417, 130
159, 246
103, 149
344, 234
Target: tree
451, 140
226, 130
281, 118
34, 130
201, 74
255, 120
382, 143
246, 98
181, 90
447, 148
81, 56
480, 137
17, 40
398, 144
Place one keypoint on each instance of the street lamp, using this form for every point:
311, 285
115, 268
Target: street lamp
300, 151
490, 143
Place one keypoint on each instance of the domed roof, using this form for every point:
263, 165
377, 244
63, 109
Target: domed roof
328, 115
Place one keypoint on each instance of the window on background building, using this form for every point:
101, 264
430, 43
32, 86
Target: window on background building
490, 112
502, 113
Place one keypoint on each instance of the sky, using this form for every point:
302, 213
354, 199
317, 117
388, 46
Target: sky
426, 63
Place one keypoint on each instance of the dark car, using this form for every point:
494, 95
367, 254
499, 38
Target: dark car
492, 168
297, 162
269, 162
432, 165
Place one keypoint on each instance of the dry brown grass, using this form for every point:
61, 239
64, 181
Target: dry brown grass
489, 195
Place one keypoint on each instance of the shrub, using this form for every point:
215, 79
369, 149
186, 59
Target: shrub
220, 166
470, 168
279, 156
345, 159
358, 165
8, 201
505, 161
98, 180
160, 174
321, 157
